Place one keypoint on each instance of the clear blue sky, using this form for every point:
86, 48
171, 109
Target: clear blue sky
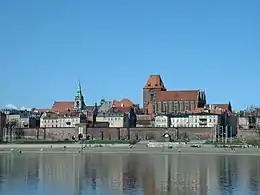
112, 46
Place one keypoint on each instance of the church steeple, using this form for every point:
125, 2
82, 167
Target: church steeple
79, 99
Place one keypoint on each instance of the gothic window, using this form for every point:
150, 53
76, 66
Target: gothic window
165, 107
187, 106
180, 106
159, 106
156, 107
151, 97
191, 106
173, 107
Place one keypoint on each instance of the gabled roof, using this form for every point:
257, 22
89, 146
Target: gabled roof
222, 106
123, 103
185, 95
62, 106
154, 82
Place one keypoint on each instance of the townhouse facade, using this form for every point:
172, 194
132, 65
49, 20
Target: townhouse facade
118, 117
199, 120
64, 120
22, 118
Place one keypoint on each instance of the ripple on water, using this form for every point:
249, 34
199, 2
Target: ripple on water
128, 174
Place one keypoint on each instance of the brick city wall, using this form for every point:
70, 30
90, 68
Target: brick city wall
115, 133
50, 133
249, 134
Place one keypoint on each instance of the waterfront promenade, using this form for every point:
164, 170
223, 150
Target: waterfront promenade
123, 149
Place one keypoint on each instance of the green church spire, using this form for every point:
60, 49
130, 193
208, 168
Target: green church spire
79, 92
79, 99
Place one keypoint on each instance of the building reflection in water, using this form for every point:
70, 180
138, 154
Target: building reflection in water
128, 174
254, 178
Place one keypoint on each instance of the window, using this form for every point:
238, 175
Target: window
151, 97
165, 107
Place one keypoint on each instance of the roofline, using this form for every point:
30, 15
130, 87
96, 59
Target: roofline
188, 114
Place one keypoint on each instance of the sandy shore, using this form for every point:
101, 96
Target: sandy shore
122, 149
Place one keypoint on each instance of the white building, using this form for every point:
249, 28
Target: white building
68, 119
188, 120
161, 121
117, 116
195, 120
115, 119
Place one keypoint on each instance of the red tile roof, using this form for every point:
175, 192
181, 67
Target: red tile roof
222, 106
62, 106
119, 109
187, 95
154, 82
123, 103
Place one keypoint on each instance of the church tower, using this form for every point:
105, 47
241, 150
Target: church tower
153, 85
79, 103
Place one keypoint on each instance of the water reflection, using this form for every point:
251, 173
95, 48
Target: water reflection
128, 174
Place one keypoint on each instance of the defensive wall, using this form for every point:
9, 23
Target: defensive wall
116, 133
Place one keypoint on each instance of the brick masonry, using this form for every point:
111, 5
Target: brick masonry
249, 134
115, 133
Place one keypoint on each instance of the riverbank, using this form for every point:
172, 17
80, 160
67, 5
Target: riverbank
124, 149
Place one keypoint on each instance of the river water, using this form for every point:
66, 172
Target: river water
116, 174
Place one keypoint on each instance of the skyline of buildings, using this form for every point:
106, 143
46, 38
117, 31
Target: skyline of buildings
156, 99
161, 108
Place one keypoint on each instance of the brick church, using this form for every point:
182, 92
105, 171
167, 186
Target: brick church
156, 98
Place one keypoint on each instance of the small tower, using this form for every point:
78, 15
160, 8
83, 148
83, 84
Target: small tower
79, 103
